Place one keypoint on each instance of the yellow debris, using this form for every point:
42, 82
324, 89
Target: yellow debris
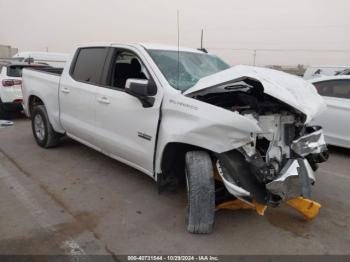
308, 208
239, 204
260, 209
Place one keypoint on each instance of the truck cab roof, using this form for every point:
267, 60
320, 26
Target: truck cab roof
154, 46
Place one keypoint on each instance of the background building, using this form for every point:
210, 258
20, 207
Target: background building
7, 51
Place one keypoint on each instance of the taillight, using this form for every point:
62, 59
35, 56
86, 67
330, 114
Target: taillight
7, 83
18, 101
11, 82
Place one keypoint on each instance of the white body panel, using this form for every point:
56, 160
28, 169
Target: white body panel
46, 88
335, 120
77, 109
287, 88
320, 71
117, 133
109, 120
197, 123
11, 93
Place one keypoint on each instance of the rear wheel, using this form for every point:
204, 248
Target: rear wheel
200, 192
4, 115
43, 132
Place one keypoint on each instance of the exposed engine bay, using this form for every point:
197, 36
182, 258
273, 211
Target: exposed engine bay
279, 163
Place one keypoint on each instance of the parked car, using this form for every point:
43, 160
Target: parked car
319, 71
344, 72
46, 58
10, 87
336, 119
239, 132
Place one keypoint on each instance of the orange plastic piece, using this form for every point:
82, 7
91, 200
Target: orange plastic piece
239, 204
308, 208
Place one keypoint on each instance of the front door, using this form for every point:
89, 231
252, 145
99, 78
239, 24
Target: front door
126, 130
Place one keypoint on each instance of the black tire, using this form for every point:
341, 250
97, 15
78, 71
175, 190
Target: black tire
48, 138
4, 115
200, 192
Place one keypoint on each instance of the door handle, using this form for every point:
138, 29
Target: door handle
103, 100
65, 90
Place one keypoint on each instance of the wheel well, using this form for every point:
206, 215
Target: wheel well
33, 102
173, 164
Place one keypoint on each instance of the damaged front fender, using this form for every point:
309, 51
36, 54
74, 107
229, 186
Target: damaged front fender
189, 121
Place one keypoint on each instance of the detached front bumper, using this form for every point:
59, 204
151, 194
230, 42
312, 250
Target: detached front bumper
297, 176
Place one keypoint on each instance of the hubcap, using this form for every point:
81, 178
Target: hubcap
39, 127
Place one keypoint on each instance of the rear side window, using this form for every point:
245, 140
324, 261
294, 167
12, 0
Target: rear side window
14, 71
334, 88
89, 64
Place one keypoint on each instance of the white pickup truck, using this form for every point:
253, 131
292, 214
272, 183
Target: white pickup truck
182, 115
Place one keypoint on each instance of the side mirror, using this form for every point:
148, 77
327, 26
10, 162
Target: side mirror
143, 89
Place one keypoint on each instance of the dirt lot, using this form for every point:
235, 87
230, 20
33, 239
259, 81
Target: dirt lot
74, 200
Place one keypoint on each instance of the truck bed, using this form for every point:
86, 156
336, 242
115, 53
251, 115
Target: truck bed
43, 84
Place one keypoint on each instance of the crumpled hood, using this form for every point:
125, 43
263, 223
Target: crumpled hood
287, 88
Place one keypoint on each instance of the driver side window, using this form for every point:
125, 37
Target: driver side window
125, 65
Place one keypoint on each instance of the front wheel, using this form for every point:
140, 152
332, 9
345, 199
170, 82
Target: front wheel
44, 134
200, 192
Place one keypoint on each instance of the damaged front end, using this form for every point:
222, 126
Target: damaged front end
280, 173
279, 162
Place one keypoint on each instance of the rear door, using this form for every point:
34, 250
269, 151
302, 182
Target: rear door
336, 119
77, 94
126, 130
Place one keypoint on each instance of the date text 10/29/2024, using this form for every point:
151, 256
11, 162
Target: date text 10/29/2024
173, 258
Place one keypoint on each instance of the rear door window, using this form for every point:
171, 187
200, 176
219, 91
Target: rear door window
334, 88
88, 64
